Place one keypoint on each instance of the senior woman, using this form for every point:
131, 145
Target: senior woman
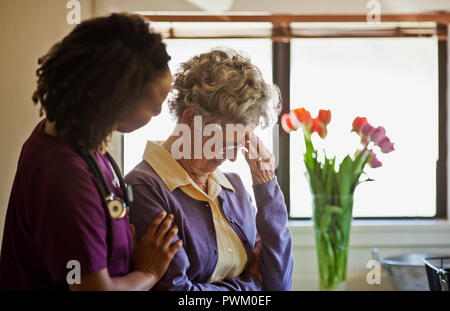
228, 244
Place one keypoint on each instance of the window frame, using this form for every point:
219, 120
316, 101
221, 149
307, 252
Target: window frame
281, 50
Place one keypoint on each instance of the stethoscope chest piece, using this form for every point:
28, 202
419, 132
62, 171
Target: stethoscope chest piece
117, 208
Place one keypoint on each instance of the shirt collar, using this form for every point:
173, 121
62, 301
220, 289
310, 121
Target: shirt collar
171, 172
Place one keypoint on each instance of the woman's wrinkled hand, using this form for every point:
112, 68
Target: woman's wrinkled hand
155, 251
260, 160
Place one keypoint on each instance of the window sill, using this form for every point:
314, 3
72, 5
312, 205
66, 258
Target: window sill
381, 233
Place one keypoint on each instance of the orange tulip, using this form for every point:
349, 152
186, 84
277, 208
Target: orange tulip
358, 123
303, 116
318, 127
286, 123
324, 116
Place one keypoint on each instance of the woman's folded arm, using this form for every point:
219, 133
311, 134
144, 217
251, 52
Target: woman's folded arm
275, 262
176, 279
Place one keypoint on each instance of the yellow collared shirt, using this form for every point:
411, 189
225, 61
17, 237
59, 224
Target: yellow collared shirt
232, 257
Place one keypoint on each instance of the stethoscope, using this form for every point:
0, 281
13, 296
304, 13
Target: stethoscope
117, 207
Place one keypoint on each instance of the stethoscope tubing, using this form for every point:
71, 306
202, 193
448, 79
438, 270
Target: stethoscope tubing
95, 169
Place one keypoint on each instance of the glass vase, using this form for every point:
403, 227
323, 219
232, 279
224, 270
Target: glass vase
332, 217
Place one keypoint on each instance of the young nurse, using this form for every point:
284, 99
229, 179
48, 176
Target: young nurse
67, 209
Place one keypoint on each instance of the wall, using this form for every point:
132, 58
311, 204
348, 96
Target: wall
28, 28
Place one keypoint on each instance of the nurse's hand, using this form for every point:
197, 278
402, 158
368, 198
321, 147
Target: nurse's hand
151, 258
155, 250
260, 160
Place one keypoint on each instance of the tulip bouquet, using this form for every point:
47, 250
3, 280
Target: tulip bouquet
333, 189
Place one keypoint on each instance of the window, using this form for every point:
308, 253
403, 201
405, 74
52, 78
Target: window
394, 83
394, 74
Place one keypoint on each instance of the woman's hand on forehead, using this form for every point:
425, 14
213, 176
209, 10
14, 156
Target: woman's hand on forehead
260, 160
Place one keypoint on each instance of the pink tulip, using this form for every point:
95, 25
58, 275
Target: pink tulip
386, 145
374, 162
378, 134
372, 157
367, 129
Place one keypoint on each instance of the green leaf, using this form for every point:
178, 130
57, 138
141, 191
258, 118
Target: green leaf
345, 176
360, 163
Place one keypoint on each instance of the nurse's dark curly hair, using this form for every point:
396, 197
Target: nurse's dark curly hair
90, 80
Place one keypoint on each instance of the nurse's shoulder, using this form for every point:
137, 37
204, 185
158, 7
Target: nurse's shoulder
51, 174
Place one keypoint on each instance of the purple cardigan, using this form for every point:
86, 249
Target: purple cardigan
194, 263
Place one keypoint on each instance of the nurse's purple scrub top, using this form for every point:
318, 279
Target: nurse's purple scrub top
57, 213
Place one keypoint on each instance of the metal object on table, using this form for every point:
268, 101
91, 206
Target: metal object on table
406, 272
438, 272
